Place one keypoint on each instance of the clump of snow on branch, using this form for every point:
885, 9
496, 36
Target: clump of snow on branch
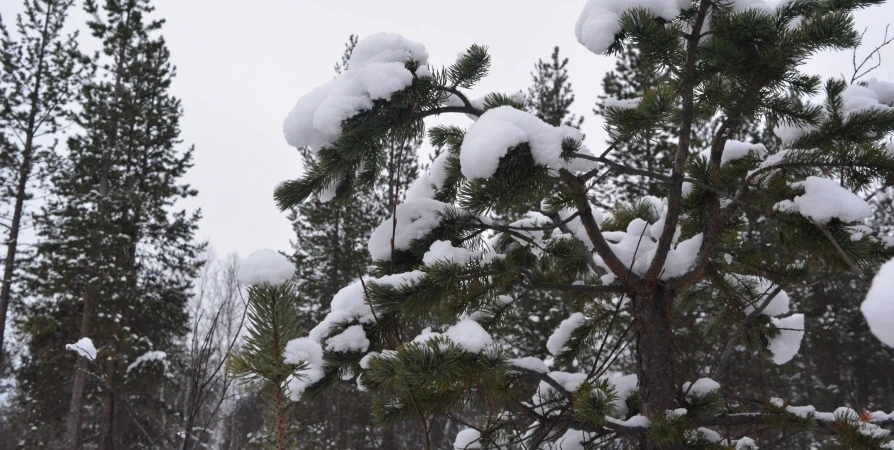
83, 347
878, 307
627, 103
824, 199
701, 387
734, 150
309, 353
599, 21
876, 95
266, 267
884, 90
415, 219
353, 339
445, 251
499, 129
559, 337
349, 303
786, 345
467, 439
424, 186
150, 356
467, 334
531, 363
625, 386
376, 70
757, 291
636, 247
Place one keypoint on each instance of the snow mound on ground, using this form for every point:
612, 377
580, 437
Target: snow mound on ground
375, 71
878, 308
598, 22
499, 129
83, 347
266, 267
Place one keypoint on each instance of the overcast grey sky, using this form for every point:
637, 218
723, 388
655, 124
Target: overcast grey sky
242, 65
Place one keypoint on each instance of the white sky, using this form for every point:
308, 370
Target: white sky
243, 64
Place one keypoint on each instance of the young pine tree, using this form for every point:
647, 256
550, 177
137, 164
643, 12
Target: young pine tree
419, 336
116, 258
41, 73
273, 321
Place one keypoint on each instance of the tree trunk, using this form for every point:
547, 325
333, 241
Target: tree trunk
107, 438
22, 185
653, 322
73, 422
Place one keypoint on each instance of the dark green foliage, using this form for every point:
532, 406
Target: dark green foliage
272, 322
551, 97
112, 237
527, 247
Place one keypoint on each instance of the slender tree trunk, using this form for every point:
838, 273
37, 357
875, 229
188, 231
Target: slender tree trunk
13, 240
653, 321
22, 185
107, 438
73, 420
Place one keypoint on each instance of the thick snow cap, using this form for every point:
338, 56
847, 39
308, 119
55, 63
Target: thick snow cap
878, 308
375, 71
266, 267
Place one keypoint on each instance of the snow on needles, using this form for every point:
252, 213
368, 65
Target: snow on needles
560, 337
415, 219
499, 129
467, 439
467, 334
266, 267
308, 352
375, 71
83, 347
878, 308
825, 199
147, 357
785, 346
599, 21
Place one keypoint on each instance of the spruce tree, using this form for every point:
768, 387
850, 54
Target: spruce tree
116, 258
41, 72
419, 334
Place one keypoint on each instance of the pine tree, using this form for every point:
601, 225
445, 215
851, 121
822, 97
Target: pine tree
272, 322
41, 72
632, 77
550, 96
115, 259
330, 252
419, 334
